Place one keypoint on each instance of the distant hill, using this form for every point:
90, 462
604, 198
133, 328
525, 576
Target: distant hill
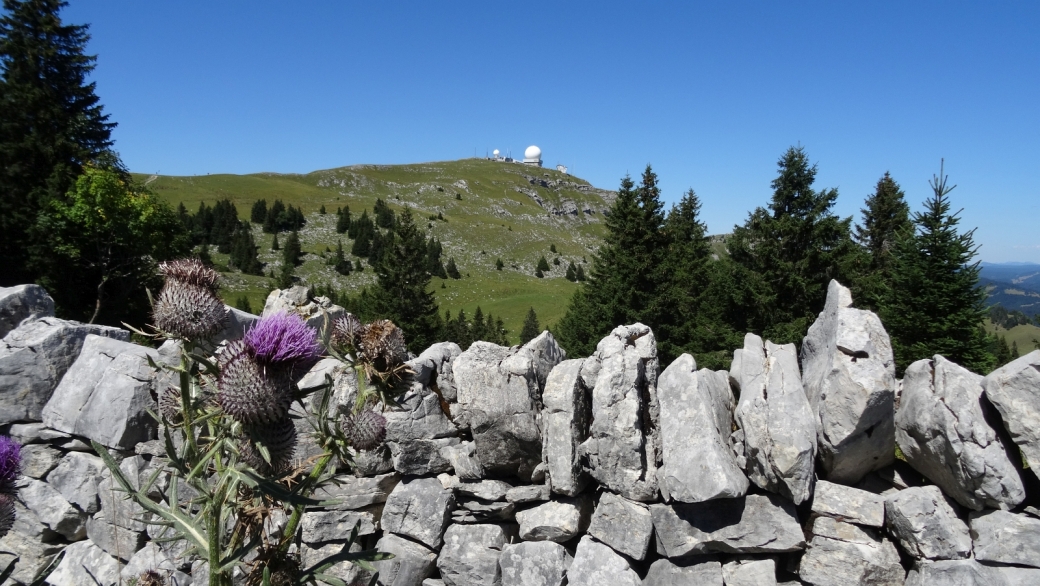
1015, 286
491, 210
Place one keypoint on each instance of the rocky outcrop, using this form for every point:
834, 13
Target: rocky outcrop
1006, 538
565, 421
22, 303
849, 375
624, 525
1012, 389
775, 419
943, 433
296, 300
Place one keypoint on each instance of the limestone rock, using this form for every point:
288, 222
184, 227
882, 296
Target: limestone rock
779, 433
469, 510
419, 508
499, 400
412, 563
422, 456
236, 324
533, 563
463, 460
685, 573
1012, 389
470, 555
942, 431
151, 557
848, 504
596, 564
321, 526
357, 493
565, 419
751, 524
547, 354
528, 494
34, 433
623, 450
53, 510
23, 302
697, 412
849, 375
39, 459
26, 552
624, 525
295, 300
76, 478
749, 572
925, 525
417, 415
33, 359
558, 520
106, 394
1016, 576
85, 563
434, 369
954, 573
311, 555
489, 490
841, 554
117, 505
1006, 538
114, 540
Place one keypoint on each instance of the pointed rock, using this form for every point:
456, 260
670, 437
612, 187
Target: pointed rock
1012, 389
565, 418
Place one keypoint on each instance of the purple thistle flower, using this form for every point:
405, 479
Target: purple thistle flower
284, 339
10, 462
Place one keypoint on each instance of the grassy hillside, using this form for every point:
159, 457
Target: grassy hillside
1021, 334
491, 210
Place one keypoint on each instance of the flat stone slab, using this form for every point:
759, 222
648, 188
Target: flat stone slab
925, 525
669, 573
751, 524
597, 565
842, 553
955, 573
470, 555
1006, 538
412, 562
558, 520
624, 525
848, 504
352, 492
750, 572
419, 508
533, 563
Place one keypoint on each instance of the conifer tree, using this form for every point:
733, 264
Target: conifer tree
499, 264
452, 269
274, 242
479, 327
789, 252
51, 126
244, 255
258, 215
531, 329
543, 265
579, 276
935, 304
340, 262
321, 210
292, 252
572, 272
885, 217
402, 293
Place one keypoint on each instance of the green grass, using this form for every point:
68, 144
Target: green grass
1023, 335
496, 217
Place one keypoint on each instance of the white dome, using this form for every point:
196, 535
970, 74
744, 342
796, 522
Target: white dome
495, 152
533, 152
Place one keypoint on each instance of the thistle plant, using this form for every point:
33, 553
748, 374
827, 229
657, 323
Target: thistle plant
229, 435
10, 468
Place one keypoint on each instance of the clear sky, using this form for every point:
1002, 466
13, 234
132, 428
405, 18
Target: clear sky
709, 94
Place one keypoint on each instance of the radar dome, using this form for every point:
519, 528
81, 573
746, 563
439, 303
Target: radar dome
533, 153
495, 152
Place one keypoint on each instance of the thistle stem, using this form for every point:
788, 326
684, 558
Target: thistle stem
189, 427
297, 514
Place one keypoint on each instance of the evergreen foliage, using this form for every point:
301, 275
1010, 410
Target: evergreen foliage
543, 266
321, 210
244, 255
339, 262
384, 215
282, 219
434, 266
292, 252
452, 270
258, 215
343, 220
531, 328
788, 252
499, 264
242, 304
464, 332
885, 217
934, 303
274, 242
572, 272
51, 126
362, 231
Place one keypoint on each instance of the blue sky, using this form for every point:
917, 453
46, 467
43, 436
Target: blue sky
709, 94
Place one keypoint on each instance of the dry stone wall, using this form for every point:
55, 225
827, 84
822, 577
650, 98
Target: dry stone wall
523, 467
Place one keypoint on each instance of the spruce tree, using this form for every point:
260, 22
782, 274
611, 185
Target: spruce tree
885, 217
274, 242
572, 272
321, 210
340, 262
499, 264
452, 269
51, 125
935, 304
789, 252
402, 293
579, 276
291, 252
543, 265
258, 215
244, 251
531, 329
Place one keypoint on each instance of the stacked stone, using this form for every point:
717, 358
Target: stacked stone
520, 467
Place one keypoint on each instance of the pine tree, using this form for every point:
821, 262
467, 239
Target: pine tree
340, 262
531, 328
244, 255
321, 210
291, 252
402, 293
499, 264
479, 327
274, 242
885, 217
790, 251
51, 126
935, 304
552, 248
204, 255
543, 265
258, 215
343, 220
452, 269
572, 272
538, 273
579, 276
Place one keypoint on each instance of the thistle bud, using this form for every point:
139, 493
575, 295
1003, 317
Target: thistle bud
365, 429
189, 311
170, 404
280, 440
6, 513
10, 463
190, 271
249, 391
346, 331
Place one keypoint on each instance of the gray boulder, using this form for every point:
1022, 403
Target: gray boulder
925, 525
623, 450
955, 573
469, 510
76, 478
533, 563
412, 563
463, 460
749, 572
24, 548
669, 573
488, 490
1012, 389
419, 508
470, 555
39, 459
697, 412
106, 394
528, 494
565, 419
849, 375
33, 359
941, 429
295, 300
1016, 576
21, 303
420, 457
357, 493
775, 418
114, 540
434, 369
751, 524
56, 513
322, 526
85, 563
624, 525
499, 399
842, 554
558, 520
848, 504
311, 555
547, 354
596, 565
417, 415
152, 557
1006, 538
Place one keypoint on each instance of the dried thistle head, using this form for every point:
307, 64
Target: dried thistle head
278, 437
365, 429
10, 463
382, 345
151, 578
6, 513
190, 271
285, 567
346, 332
188, 311
170, 404
249, 391
284, 340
